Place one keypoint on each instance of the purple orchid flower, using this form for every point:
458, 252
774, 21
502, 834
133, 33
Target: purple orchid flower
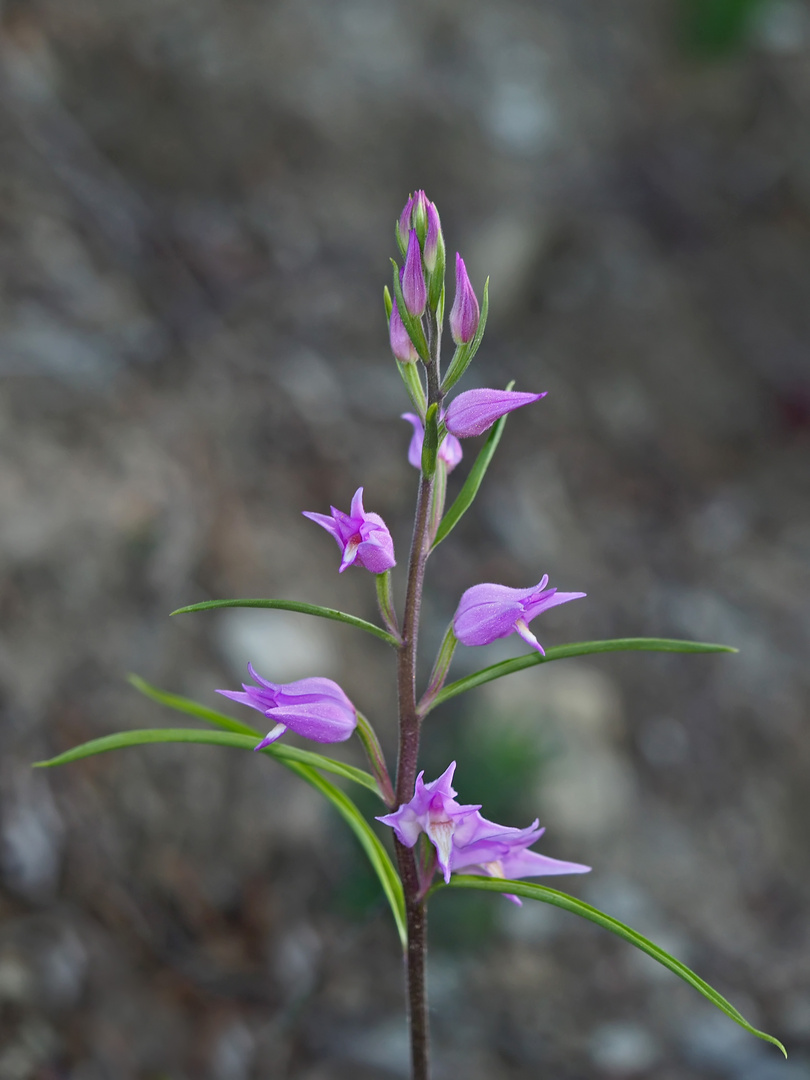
488, 612
450, 451
466, 841
414, 289
464, 314
401, 344
315, 708
472, 412
363, 538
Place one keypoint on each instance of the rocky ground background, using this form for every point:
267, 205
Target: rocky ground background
196, 205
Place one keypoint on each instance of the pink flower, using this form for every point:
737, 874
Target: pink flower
315, 708
450, 451
472, 412
466, 841
363, 539
488, 612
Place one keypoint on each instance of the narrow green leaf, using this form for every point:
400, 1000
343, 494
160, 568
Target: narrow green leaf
585, 911
301, 762
411, 323
465, 497
192, 708
388, 303
577, 648
376, 853
280, 751
294, 605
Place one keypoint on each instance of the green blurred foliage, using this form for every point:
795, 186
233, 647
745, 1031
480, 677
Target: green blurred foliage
712, 29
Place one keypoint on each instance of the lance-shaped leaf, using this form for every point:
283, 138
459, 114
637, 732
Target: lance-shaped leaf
577, 648
295, 605
147, 736
465, 497
192, 708
307, 757
375, 852
301, 762
585, 911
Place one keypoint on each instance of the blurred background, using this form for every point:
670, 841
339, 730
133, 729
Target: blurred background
197, 201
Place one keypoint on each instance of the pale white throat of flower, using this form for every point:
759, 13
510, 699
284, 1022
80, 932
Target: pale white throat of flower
440, 831
350, 550
494, 868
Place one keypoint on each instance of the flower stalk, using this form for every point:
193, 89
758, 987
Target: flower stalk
410, 723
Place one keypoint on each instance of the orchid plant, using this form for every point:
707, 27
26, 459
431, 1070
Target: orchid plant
437, 842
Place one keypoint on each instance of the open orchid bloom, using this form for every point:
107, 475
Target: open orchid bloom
315, 708
465, 841
363, 538
488, 612
450, 451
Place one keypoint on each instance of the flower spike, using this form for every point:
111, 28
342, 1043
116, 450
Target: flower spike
488, 612
363, 538
315, 708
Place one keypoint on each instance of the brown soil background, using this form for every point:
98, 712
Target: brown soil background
196, 209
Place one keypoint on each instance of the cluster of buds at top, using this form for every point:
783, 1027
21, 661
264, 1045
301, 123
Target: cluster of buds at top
415, 312
421, 278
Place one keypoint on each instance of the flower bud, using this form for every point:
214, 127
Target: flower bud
475, 411
419, 215
401, 344
404, 223
414, 290
433, 238
464, 314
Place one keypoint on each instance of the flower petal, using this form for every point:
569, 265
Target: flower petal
472, 412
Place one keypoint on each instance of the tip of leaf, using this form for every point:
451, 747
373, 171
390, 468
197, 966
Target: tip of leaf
45, 764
